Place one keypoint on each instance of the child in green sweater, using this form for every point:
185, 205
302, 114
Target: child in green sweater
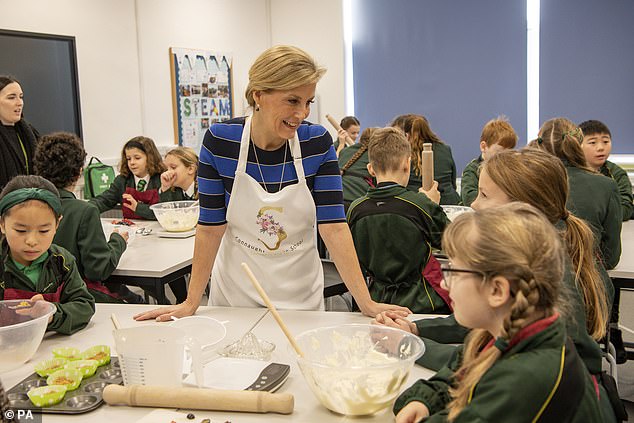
505, 282
394, 229
497, 135
597, 145
31, 267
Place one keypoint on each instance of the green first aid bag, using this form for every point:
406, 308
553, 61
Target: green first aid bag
97, 178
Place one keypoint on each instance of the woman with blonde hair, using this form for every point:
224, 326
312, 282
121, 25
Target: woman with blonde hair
504, 279
418, 132
266, 181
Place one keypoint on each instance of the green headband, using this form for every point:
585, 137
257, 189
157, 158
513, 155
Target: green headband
25, 194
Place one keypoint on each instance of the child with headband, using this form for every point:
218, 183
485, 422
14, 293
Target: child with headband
32, 268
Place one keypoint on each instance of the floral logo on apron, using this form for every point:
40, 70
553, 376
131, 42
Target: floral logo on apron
270, 227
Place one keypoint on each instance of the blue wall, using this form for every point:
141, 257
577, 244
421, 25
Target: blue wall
587, 64
457, 62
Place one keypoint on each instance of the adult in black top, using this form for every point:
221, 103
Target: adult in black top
17, 137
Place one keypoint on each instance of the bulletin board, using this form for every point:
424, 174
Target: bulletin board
201, 93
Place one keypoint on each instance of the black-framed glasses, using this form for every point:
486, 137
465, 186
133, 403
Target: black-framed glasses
447, 271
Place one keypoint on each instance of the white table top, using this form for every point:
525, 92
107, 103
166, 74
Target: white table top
307, 407
154, 256
625, 268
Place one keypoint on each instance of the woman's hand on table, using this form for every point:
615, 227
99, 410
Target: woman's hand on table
413, 412
372, 308
164, 314
395, 320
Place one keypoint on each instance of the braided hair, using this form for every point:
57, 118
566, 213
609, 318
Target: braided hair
364, 142
516, 242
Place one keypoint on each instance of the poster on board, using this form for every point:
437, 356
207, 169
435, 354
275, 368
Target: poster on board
201, 93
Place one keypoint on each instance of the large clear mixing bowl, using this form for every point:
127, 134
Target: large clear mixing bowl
22, 327
357, 369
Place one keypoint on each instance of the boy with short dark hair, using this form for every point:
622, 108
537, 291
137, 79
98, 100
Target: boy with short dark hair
394, 229
497, 135
597, 145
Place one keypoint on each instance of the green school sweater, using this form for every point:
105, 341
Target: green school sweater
80, 232
353, 179
469, 181
113, 195
619, 175
444, 173
538, 374
76, 305
393, 231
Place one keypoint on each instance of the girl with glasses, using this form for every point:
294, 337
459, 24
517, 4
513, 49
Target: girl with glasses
505, 283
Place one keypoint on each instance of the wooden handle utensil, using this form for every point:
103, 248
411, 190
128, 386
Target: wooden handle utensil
335, 124
198, 399
272, 309
427, 166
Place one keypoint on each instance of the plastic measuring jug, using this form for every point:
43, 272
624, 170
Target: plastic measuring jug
153, 355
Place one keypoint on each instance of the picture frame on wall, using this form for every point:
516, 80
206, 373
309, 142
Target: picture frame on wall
202, 93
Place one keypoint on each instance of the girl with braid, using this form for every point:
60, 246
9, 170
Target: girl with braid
505, 282
539, 179
353, 162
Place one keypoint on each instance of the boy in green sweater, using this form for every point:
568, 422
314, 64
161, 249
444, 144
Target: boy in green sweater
497, 135
597, 145
394, 229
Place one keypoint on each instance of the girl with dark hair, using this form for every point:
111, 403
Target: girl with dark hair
17, 137
136, 187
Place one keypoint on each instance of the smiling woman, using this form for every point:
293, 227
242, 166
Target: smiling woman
17, 137
265, 182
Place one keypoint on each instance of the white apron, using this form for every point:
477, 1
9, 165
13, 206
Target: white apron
274, 233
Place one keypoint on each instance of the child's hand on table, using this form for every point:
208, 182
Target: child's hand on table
36, 309
395, 320
413, 412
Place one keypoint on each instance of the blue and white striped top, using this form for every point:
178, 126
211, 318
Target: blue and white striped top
219, 159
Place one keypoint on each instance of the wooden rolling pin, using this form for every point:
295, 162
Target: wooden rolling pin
335, 124
427, 166
198, 399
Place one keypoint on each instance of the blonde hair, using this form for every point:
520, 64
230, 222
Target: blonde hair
517, 242
189, 158
539, 179
282, 68
562, 138
364, 142
499, 131
186, 155
387, 150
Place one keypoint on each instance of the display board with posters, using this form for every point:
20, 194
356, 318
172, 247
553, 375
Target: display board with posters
201, 93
